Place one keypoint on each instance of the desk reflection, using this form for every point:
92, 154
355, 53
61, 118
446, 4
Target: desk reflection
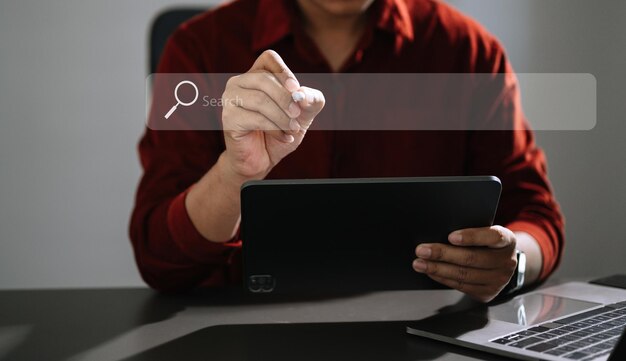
306, 341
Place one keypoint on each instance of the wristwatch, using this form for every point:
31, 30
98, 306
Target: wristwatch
517, 280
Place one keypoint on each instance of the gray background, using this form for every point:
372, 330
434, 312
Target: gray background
71, 112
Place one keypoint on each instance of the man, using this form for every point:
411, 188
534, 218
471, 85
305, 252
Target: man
185, 223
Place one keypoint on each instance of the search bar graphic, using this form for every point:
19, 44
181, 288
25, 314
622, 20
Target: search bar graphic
178, 101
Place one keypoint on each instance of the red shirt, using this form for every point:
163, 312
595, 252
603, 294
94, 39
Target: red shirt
420, 36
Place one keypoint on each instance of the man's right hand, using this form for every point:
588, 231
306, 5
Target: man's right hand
262, 123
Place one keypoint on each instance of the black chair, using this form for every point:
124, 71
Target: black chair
162, 27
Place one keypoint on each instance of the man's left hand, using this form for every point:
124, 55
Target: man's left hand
479, 261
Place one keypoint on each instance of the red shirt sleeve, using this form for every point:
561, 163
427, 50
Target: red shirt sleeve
170, 253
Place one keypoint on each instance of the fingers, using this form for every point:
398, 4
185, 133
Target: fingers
258, 101
312, 102
479, 262
493, 237
270, 85
480, 284
253, 121
482, 293
272, 90
261, 92
271, 62
482, 258
461, 274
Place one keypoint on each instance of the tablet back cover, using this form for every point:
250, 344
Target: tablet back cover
353, 235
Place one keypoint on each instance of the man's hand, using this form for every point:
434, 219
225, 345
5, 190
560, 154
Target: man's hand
265, 124
262, 124
480, 261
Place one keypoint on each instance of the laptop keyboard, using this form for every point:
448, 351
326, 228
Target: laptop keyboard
583, 336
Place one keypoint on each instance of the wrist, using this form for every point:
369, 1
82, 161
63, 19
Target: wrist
229, 174
534, 258
213, 203
517, 280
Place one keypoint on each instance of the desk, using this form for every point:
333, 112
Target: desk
140, 324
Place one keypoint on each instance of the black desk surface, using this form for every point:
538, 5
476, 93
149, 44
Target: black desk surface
140, 324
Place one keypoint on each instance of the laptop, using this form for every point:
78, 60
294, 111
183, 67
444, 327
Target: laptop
571, 321
335, 236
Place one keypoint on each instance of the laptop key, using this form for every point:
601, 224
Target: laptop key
603, 336
604, 326
557, 352
603, 318
612, 342
560, 341
595, 329
594, 339
568, 348
594, 349
581, 333
545, 336
604, 345
502, 341
578, 355
557, 332
526, 342
595, 356
587, 341
569, 338
542, 347
579, 344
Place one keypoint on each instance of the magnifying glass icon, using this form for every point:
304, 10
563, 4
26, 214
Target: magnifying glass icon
178, 102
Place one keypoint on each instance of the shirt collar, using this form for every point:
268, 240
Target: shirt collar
274, 20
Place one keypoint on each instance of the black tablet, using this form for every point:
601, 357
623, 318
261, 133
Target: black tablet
353, 235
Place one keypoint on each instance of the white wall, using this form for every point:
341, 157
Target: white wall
72, 78
71, 112
587, 168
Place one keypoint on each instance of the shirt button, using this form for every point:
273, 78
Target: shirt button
359, 55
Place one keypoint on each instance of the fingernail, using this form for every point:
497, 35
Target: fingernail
298, 96
310, 98
455, 237
294, 125
294, 110
424, 252
290, 138
291, 84
419, 265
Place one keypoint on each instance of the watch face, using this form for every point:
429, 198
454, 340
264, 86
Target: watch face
521, 268
521, 262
